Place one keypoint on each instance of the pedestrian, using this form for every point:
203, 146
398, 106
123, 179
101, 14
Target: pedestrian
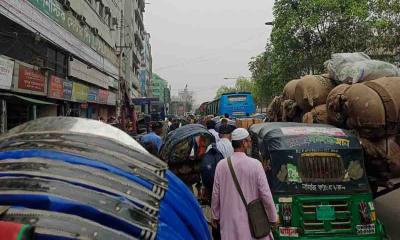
211, 128
224, 144
228, 209
174, 125
169, 121
226, 115
208, 166
153, 139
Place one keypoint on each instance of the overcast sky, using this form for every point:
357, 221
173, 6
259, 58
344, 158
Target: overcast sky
200, 42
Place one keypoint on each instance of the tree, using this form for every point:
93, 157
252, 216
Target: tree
224, 89
306, 32
242, 84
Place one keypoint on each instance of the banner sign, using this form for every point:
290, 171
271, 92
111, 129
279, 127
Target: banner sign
56, 88
92, 94
67, 89
79, 92
103, 96
144, 100
54, 10
6, 72
31, 80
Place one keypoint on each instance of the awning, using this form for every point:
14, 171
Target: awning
32, 101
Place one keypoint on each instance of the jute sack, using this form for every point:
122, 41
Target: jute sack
274, 109
384, 155
312, 90
388, 88
335, 105
316, 115
290, 111
372, 108
289, 90
365, 111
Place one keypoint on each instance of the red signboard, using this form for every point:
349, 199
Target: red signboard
288, 232
102, 96
84, 105
31, 79
56, 89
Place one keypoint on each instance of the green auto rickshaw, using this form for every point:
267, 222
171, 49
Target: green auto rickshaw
317, 177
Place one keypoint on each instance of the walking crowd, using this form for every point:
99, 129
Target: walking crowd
229, 181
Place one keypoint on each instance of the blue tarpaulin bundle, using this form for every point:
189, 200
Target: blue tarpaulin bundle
75, 178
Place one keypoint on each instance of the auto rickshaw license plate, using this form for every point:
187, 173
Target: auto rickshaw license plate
325, 213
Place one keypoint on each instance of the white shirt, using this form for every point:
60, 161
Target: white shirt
224, 145
215, 134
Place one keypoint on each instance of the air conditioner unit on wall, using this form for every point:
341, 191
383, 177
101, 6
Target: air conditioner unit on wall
82, 19
95, 31
66, 4
114, 21
107, 10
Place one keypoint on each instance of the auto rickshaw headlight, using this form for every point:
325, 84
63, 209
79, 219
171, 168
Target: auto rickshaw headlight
287, 214
373, 216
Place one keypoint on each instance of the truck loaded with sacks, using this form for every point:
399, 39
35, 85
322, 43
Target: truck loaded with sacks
358, 94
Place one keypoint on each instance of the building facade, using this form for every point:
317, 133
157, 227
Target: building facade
146, 69
158, 87
69, 58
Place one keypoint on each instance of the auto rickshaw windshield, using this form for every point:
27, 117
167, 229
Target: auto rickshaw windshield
308, 159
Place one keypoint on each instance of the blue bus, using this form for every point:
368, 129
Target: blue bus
237, 105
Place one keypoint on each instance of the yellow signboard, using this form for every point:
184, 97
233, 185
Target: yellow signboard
79, 92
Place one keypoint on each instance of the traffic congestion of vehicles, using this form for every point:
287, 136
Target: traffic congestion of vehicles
316, 172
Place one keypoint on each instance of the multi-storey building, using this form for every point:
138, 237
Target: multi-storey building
146, 69
158, 87
67, 57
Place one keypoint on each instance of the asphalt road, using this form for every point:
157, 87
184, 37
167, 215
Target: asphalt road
388, 210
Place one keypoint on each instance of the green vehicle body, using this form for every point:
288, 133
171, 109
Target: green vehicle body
310, 202
344, 226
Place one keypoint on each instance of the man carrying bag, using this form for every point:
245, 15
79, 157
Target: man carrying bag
242, 202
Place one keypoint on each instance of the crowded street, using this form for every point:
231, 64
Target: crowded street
203, 120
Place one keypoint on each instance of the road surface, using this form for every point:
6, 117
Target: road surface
388, 209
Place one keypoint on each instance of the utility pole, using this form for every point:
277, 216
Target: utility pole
120, 78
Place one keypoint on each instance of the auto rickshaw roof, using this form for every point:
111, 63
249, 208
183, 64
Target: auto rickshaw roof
287, 135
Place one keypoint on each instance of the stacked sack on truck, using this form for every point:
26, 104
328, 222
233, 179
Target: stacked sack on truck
357, 93
367, 100
303, 100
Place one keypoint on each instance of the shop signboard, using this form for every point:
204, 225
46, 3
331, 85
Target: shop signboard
30, 80
103, 96
6, 72
112, 99
79, 92
56, 88
54, 10
92, 94
67, 89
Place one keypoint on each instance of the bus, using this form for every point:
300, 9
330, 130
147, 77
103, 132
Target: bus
237, 105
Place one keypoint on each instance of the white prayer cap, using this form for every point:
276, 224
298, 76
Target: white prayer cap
239, 134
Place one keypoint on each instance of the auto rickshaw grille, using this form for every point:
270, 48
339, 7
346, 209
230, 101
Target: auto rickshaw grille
341, 223
321, 167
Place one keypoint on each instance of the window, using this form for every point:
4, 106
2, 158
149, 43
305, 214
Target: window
101, 10
51, 59
56, 62
61, 69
